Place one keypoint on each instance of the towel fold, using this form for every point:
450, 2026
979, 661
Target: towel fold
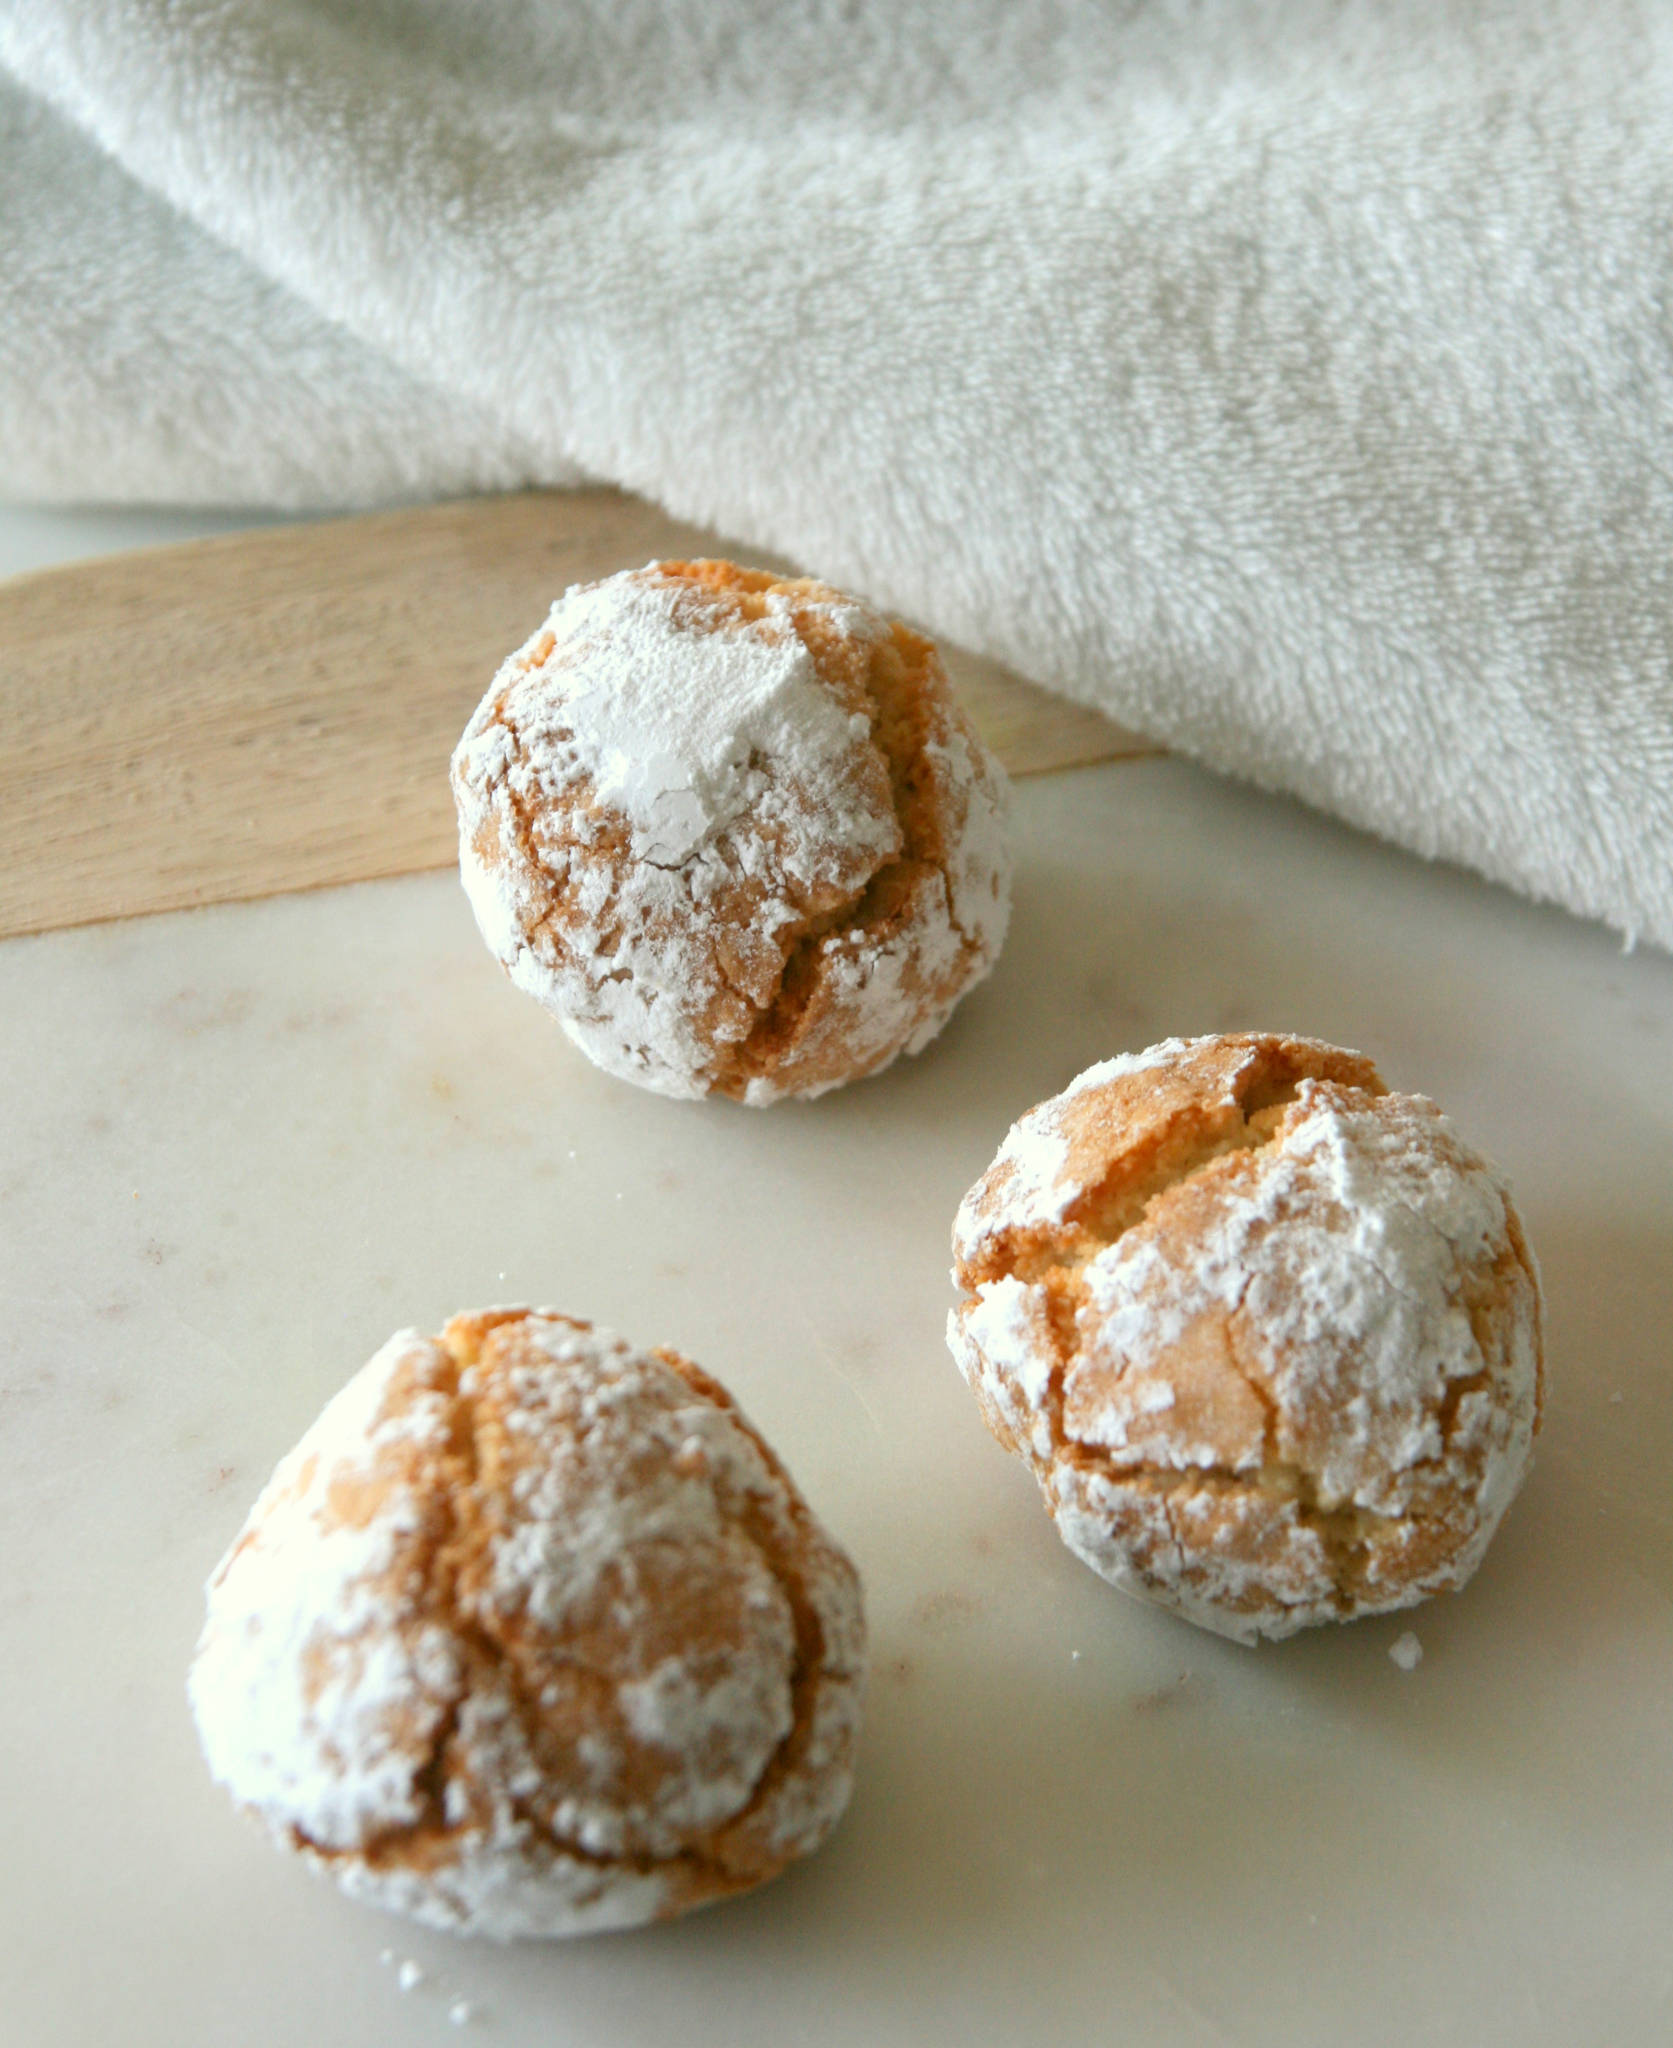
1293, 381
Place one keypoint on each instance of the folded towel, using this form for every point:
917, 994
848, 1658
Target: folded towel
1294, 381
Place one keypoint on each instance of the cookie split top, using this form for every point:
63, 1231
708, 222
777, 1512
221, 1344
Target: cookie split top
734, 831
532, 1634
1267, 1334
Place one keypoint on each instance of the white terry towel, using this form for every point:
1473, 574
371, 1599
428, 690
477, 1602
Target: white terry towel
1294, 380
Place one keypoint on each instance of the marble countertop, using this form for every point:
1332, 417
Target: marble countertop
242, 1145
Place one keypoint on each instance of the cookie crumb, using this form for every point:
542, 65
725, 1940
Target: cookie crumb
1406, 1651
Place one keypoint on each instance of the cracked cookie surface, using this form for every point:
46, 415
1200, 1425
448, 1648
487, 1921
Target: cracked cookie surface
733, 831
1267, 1334
532, 1634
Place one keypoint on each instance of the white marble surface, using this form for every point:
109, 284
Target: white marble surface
240, 1146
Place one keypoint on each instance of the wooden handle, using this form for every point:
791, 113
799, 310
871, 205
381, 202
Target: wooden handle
275, 710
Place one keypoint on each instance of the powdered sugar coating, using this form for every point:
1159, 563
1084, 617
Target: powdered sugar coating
531, 1634
735, 833
1268, 1336
1031, 1181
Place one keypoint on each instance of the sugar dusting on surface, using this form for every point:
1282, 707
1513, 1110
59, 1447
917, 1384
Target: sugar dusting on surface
1406, 1651
676, 728
280, 1698
1305, 1343
346, 1689
752, 799
1029, 1181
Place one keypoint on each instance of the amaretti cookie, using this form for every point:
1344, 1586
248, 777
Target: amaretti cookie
532, 1634
734, 832
1267, 1334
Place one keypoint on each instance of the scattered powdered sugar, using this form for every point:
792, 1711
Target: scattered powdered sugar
343, 1685
410, 1975
1406, 1651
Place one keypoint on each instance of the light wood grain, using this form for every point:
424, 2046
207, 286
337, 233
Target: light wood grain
274, 710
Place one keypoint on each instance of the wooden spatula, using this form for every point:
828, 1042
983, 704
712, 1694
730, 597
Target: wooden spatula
275, 710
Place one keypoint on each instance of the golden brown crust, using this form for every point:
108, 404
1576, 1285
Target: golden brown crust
813, 939
1146, 1129
565, 1647
1267, 1334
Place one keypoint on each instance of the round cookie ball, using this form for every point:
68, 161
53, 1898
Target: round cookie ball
1267, 1335
733, 831
532, 1634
